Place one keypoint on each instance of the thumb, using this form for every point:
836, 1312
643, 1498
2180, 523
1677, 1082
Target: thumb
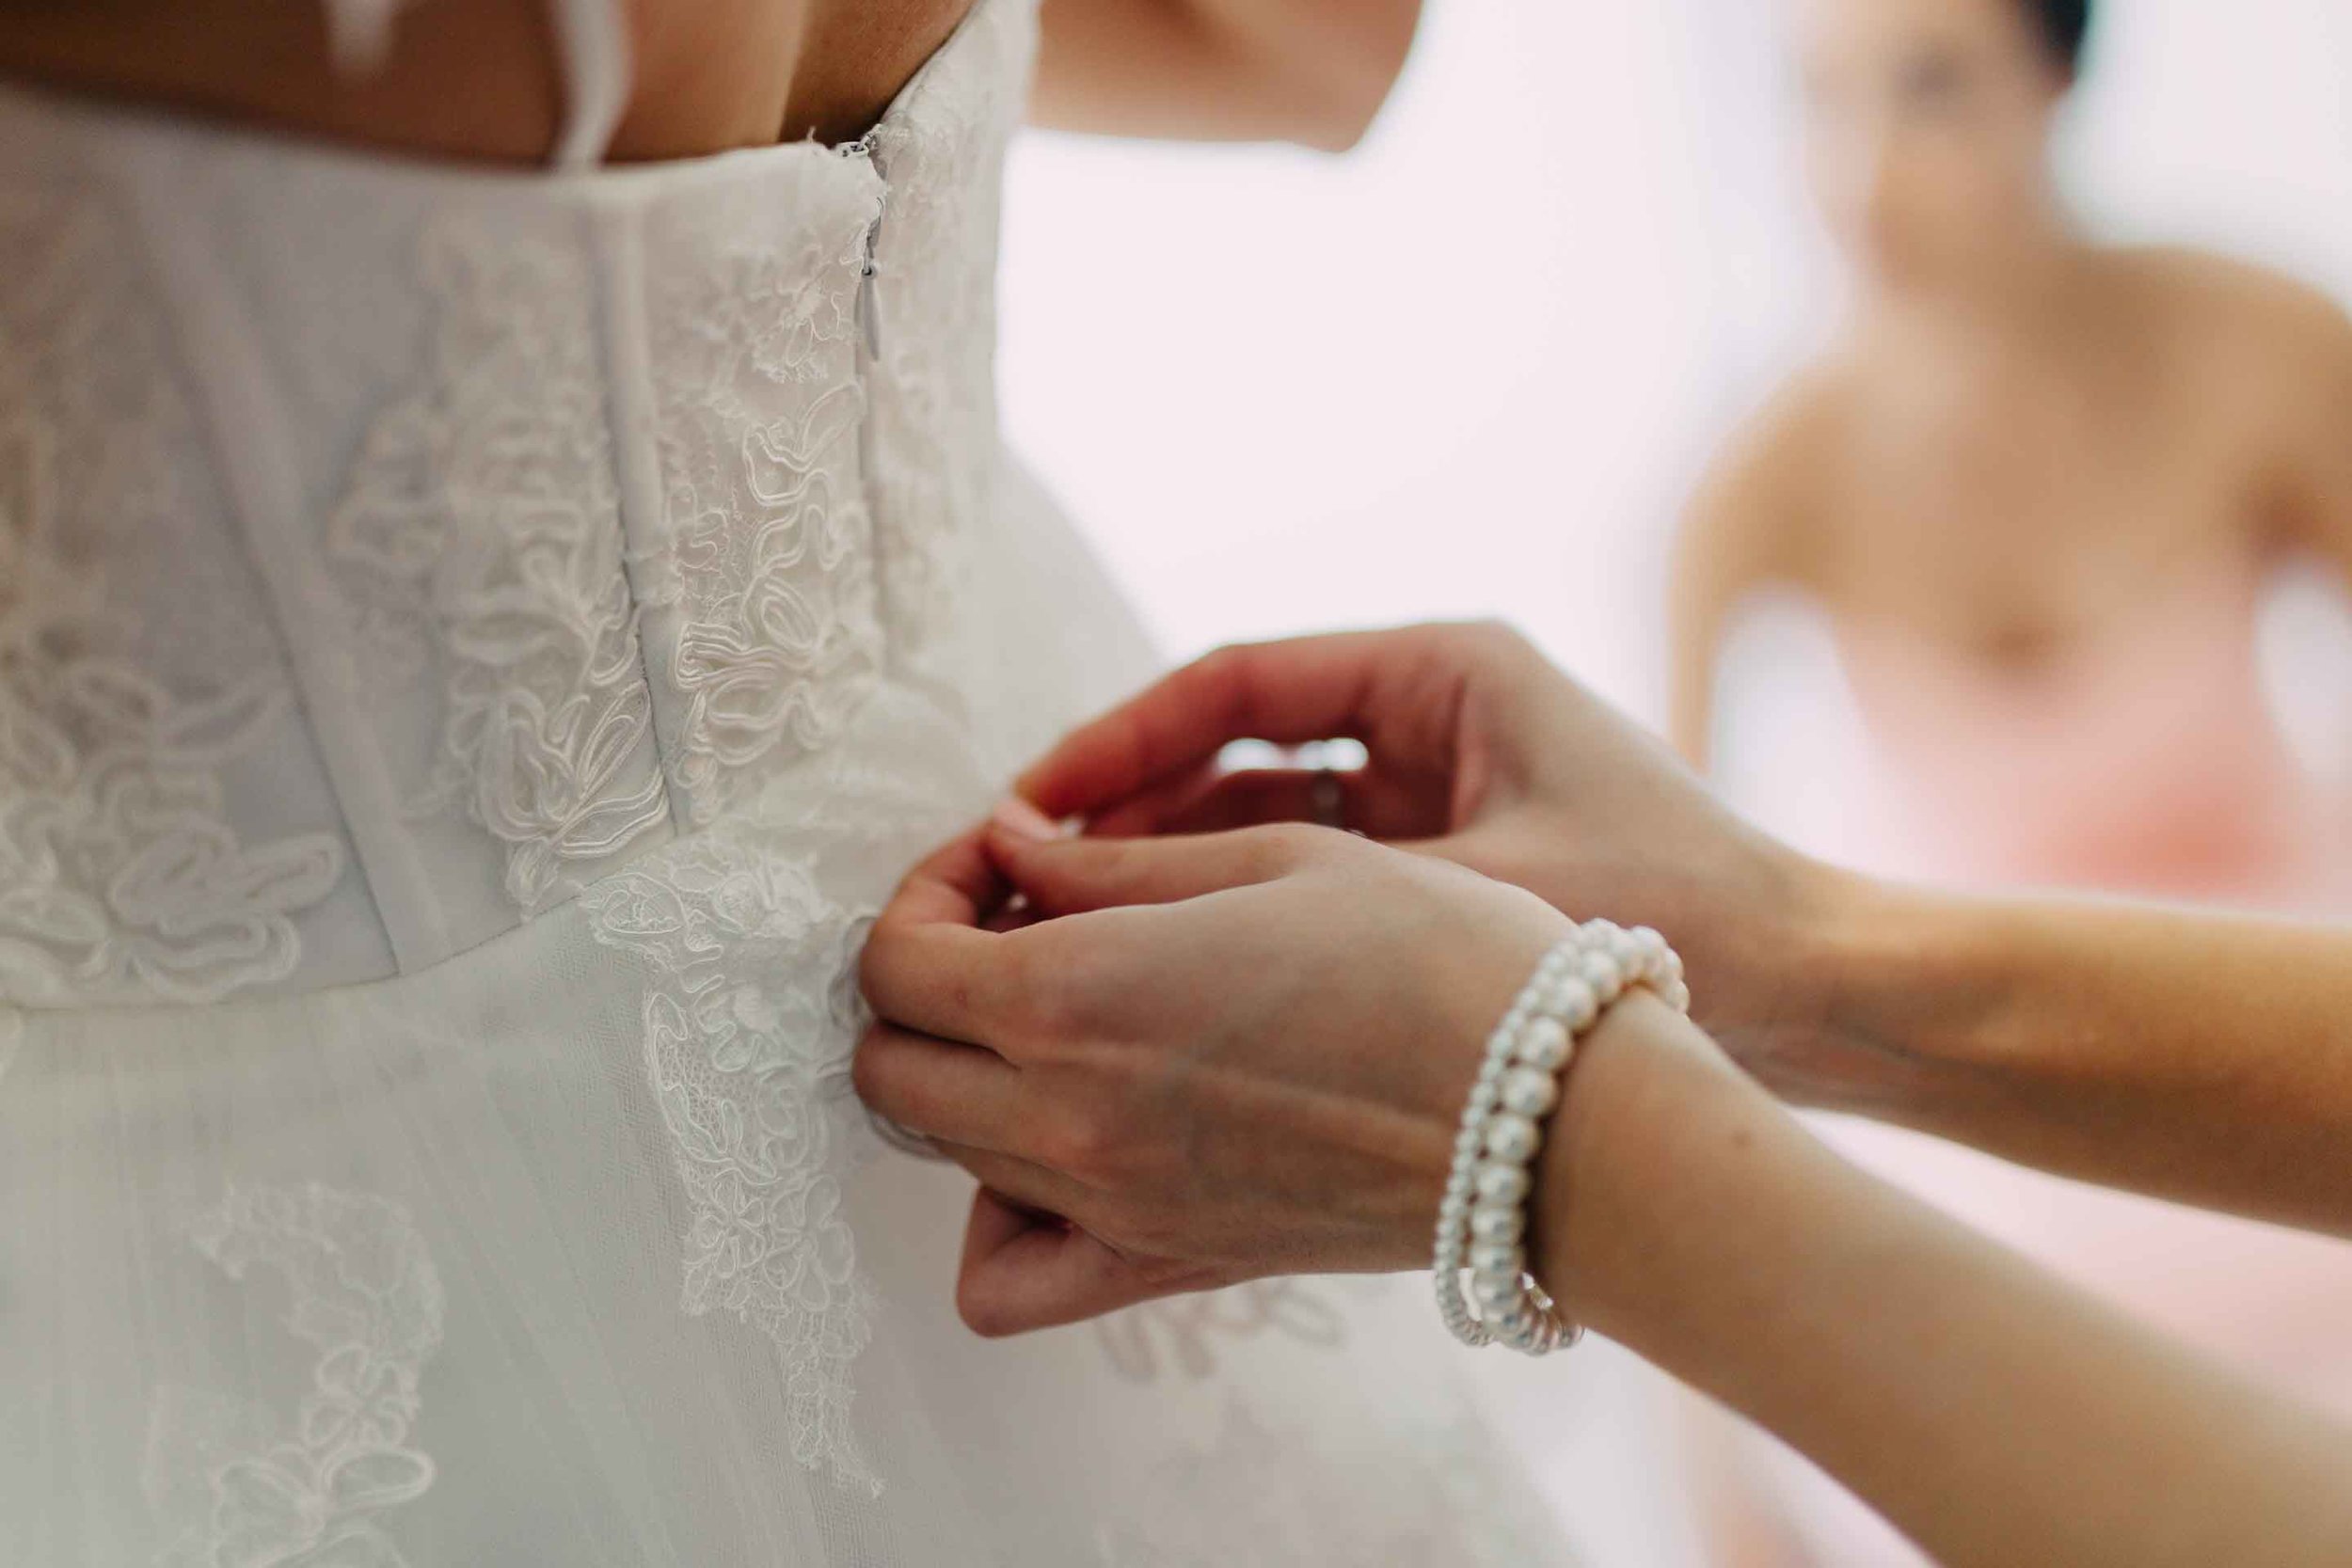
1072, 876
1024, 1270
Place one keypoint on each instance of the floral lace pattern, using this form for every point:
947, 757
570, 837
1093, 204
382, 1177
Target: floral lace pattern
230, 1489
934, 445
479, 538
751, 1073
120, 872
763, 553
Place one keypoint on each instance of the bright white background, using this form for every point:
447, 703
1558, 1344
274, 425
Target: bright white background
1472, 369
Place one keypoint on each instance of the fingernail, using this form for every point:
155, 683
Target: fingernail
1022, 820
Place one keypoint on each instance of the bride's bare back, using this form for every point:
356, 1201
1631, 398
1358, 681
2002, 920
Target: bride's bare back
483, 79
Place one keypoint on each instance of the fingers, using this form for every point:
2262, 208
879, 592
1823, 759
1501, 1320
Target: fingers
1310, 688
1026, 1184
1024, 1271
928, 964
1367, 800
961, 1094
956, 884
1073, 876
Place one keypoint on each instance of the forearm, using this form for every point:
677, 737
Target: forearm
1992, 1414
1313, 72
2198, 1057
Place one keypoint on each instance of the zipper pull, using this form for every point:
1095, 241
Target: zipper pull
869, 264
869, 295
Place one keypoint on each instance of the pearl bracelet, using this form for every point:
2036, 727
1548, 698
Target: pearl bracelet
1483, 1221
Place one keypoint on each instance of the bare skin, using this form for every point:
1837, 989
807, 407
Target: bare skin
2025, 440
1236, 1046
480, 79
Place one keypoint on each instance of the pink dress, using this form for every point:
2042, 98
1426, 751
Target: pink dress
2149, 765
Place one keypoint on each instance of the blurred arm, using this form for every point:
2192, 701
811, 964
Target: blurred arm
2200, 1057
1745, 529
1313, 72
2322, 500
1994, 1414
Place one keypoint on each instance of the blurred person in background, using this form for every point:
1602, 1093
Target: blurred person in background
2038, 487
2039, 491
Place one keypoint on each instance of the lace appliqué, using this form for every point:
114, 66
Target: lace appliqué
763, 552
479, 538
234, 1492
936, 449
119, 870
751, 1074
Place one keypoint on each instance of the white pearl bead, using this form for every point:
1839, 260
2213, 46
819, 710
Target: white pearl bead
1498, 1257
1529, 1093
1501, 1183
1575, 1004
1498, 1225
1513, 1138
1496, 1292
1544, 1044
1510, 1324
1600, 972
1676, 995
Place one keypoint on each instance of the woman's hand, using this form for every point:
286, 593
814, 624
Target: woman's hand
1483, 753
1217, 1058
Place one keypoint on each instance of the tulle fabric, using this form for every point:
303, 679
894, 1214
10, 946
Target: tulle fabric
475, 652
391, 1273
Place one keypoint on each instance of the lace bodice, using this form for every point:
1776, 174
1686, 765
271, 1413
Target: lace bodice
389, 552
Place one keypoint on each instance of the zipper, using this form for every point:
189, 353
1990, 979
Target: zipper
869, 263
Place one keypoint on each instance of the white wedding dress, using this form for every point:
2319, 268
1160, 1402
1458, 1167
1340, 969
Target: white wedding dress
475, 647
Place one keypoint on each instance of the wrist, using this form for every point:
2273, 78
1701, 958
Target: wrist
1889, 1004
1648, 1102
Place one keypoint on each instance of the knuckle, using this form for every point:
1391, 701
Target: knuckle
1086, 1140
1075, 1141
1219, 679
1221, 660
